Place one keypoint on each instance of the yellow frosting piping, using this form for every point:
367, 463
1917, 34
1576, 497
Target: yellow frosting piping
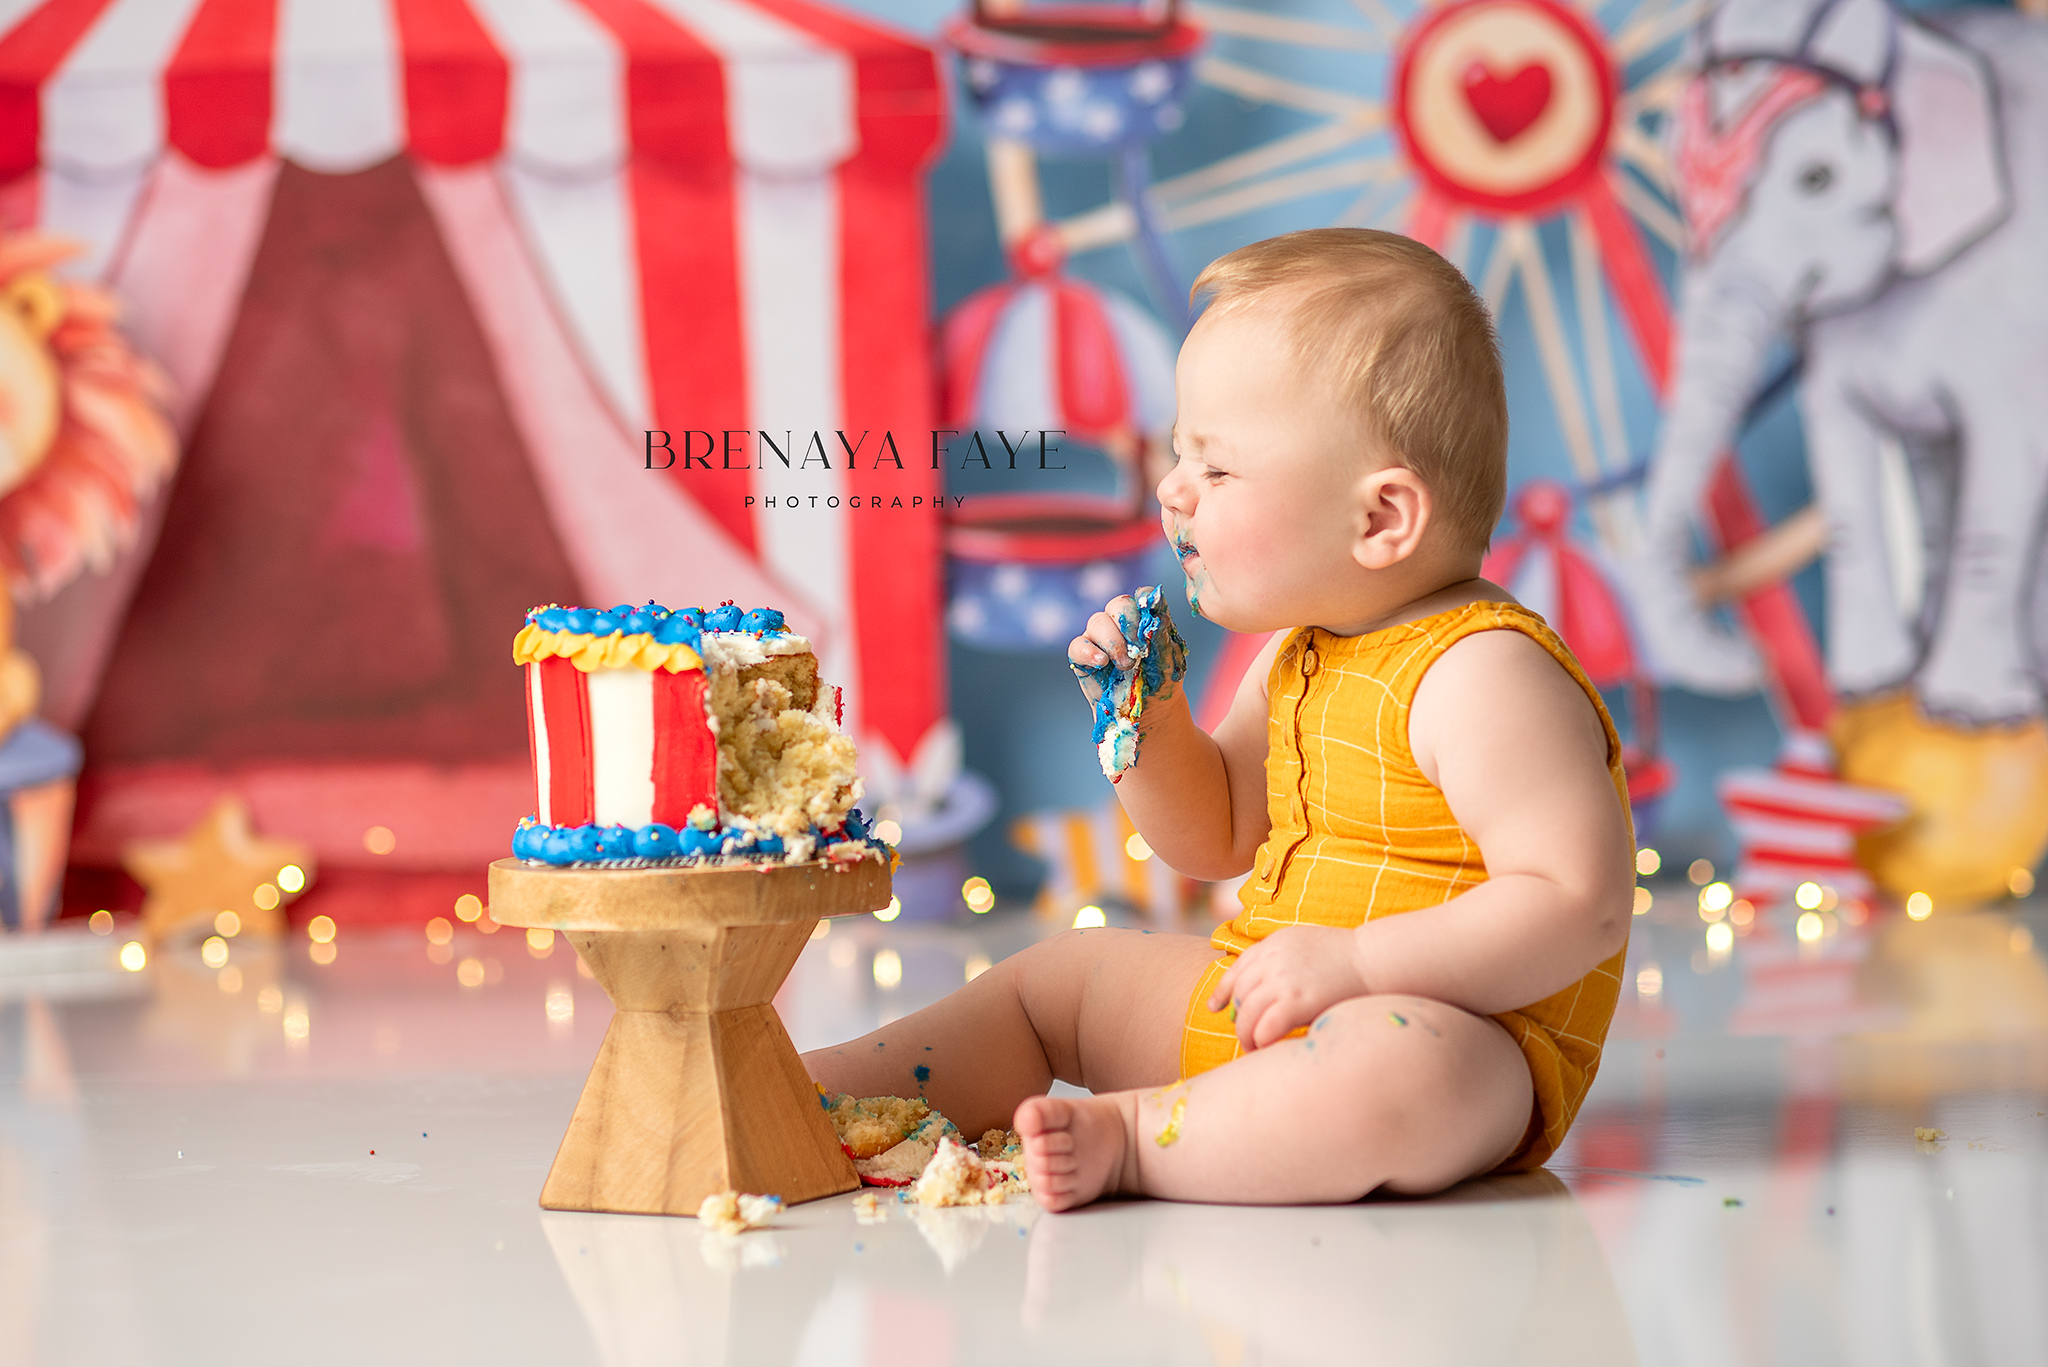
588, 653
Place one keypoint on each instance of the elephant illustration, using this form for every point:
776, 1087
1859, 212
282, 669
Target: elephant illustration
1872, 189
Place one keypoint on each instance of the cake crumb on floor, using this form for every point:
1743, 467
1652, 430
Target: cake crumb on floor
902, 1142
732, 1212
889, 1138
957, 1176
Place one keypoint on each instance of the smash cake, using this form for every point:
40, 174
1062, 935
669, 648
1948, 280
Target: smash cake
685, 736
903, 1142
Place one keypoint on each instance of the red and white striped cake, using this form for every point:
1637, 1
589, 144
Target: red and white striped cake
693, 734
620, 747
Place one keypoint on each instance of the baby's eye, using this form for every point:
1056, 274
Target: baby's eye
1214, 476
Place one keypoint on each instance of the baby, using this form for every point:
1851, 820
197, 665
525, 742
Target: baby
1422, 784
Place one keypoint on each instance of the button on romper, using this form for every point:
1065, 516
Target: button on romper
1358, 832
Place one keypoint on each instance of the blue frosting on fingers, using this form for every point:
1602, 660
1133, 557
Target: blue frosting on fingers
1157, 662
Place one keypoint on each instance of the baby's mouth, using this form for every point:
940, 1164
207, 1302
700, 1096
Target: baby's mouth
1183, 544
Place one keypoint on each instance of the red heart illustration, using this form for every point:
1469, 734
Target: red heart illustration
1507, 106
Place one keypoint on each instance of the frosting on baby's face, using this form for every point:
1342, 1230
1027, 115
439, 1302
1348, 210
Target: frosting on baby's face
1261, 505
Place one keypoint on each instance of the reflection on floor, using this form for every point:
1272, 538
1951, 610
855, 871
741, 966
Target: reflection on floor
284, 1160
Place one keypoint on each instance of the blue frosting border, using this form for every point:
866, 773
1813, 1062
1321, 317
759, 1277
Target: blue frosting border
678, 626
656, 843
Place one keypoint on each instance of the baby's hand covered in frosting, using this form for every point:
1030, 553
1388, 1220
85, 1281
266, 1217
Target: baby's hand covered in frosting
1123, 662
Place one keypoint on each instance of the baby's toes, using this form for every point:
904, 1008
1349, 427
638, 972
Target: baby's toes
1054, 1143
1072, 1148
1031, 1120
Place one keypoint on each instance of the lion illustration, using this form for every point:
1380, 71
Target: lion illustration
83, 440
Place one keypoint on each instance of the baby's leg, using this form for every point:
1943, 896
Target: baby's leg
1396, 1092
1098, 1008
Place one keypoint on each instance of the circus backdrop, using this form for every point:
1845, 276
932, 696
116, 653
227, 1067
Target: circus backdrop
423, 272
1768, 544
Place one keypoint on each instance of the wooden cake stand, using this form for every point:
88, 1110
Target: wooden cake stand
697, 1088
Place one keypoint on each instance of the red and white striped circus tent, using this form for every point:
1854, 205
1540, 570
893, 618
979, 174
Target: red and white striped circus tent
423, 272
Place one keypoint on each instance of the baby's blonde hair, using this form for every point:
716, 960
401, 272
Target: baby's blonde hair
1407, 344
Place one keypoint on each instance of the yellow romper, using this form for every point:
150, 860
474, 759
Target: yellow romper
1359, 833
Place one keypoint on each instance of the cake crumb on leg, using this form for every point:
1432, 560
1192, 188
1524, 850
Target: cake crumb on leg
1169, 1133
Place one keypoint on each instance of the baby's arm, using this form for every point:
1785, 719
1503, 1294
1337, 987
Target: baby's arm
1199, 800
1519, 754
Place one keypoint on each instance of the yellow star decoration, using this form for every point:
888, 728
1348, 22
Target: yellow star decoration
219, 865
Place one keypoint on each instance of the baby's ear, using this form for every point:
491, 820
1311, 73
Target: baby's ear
1394, 513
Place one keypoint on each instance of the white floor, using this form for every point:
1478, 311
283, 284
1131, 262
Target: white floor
340, 1164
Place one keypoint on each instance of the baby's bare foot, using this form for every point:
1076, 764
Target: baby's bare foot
1074, 1148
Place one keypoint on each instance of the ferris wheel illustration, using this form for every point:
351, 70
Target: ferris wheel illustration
1471, 125
1484, 128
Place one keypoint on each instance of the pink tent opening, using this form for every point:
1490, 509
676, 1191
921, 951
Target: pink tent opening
424, 272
